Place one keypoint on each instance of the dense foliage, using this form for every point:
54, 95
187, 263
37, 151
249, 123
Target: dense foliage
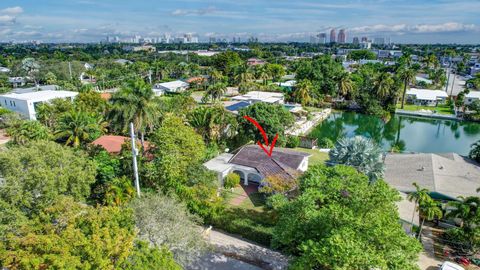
340, 221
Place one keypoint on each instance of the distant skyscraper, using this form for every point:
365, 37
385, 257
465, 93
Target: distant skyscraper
364, 39
356, 41
379, 40
322, 38
342, 36
333, 35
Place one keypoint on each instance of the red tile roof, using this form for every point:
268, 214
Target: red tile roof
113, 143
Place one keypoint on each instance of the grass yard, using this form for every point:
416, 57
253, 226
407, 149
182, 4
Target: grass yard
441, 109
317, 156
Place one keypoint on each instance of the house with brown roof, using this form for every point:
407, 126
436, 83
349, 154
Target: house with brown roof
253, 164
113, 143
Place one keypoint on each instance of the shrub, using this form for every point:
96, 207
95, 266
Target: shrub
231, 180
325, 143
276, 201
293, 141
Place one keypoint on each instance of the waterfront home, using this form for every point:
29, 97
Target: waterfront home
260, 96
253, 164
424, 97
446, 175
170, 87
471, 97
26, 103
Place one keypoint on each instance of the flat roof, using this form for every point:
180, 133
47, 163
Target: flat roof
426, 94
473, 94
173, 84
41, 95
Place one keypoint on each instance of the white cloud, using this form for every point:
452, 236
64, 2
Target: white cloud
12, 10
7, 19
417, 28
201, 11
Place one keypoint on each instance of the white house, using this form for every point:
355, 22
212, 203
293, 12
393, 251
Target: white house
17, 81
260, 96
471, 97
170, 87
253, 164
26, 103
424, 97
4, 70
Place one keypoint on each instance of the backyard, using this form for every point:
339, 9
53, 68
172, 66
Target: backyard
440, 109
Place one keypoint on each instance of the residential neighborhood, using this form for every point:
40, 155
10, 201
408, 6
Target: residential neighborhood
267, 135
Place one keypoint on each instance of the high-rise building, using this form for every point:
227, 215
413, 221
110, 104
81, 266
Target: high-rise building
364, 39
356, 41
379, 41
342, 36
322, 38
333, 36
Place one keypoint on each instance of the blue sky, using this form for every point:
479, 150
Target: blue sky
408, 21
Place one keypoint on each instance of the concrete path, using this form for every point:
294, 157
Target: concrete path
427, 259
245, 251
245, 191
217, 261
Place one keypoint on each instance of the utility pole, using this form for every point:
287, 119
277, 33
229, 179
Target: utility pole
150, 76
70, 69
134, 157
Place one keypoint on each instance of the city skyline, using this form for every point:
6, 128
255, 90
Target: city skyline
435, 21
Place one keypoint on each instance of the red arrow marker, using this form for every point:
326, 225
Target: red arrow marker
265, 138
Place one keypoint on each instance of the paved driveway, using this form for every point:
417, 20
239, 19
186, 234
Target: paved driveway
217, 261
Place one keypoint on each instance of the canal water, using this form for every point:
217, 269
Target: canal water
406, 133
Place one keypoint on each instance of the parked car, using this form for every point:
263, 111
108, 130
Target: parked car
451, 266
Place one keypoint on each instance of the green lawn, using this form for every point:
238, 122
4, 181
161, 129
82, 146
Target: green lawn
317, 156
441, 109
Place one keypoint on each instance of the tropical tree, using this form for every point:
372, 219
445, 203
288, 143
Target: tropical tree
407, 75
164, 222
31, 67
212, 123
344, 83
215, 76
475, 151
419, 196
134, 103
216, 91
76, 128
244, 77
360, 153
50, 78
467, 209
429, 210
384, 84
303, 91
342, 221
34, 175
26, 131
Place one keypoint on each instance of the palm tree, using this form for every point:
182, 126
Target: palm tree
264, 76
78, 127
244, 77
215, 76
215, 91
419, 196
302, 92
211, 122
407, 75
429, 210
475, 151
384, 84
26, 131
467, 209
344, 83
360, 153
134, 103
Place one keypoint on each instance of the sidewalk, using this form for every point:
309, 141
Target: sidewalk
254, 254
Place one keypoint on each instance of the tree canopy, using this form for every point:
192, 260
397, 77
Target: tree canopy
340, 221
